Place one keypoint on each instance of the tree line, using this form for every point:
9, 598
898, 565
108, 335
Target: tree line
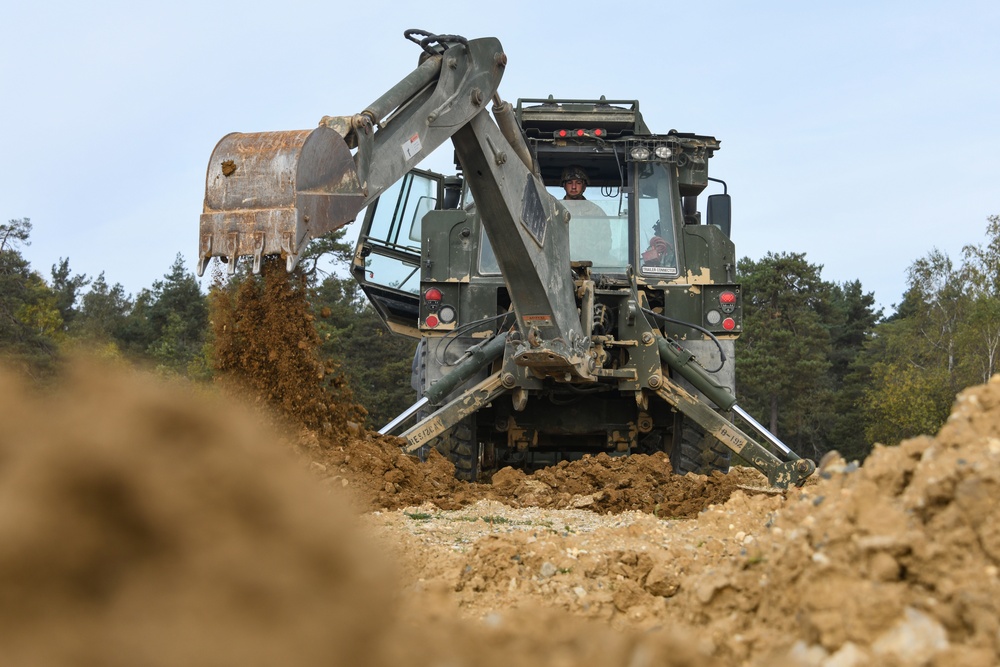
817, 362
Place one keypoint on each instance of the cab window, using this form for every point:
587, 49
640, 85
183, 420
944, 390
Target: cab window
655, 211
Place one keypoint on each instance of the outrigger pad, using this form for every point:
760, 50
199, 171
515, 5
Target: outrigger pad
270, 193
791, 473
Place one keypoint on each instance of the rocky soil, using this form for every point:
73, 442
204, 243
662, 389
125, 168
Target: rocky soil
143, 523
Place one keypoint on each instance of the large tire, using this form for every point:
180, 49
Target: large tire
694, 451
460, 446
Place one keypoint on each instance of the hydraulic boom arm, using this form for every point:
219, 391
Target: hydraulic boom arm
271, 193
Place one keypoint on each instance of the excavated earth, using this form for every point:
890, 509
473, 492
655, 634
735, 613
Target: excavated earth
149, 523
144, 523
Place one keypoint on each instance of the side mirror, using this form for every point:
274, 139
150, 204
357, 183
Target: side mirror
452, 192
720, 212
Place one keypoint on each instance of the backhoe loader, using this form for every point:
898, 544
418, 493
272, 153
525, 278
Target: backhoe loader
547, 330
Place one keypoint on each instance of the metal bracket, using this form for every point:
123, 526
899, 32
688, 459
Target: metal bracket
471, 400
779, 474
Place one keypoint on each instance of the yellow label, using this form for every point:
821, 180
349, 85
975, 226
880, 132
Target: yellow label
430, 430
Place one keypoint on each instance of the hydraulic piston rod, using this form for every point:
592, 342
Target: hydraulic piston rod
681, 361
477, 359
764, 432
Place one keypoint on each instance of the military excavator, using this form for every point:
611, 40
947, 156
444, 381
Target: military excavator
547, 330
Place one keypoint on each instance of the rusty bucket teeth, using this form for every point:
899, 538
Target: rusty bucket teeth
270, 193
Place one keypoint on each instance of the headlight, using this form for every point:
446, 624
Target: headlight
640, 153
663, 152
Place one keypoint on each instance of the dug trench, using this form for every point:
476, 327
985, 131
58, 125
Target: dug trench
157, 523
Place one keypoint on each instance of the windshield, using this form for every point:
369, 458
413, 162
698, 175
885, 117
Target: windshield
597, 233
655, 213
598, 228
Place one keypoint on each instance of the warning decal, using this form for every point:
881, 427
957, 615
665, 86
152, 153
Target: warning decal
412, 146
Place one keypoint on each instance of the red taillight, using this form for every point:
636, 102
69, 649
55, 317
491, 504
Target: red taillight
433, 294
431, 321
727, 298
729, 324
580, 133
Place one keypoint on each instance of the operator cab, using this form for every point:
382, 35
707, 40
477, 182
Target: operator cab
641, 201
646, 184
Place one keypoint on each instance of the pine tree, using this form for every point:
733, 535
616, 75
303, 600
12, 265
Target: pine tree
783, 357
29, 318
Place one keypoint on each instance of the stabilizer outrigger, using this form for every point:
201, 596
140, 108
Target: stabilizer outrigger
781, 474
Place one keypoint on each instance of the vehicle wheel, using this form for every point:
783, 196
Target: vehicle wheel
694, 451
460, 446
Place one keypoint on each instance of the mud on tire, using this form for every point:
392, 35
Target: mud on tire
694, 451
460, 446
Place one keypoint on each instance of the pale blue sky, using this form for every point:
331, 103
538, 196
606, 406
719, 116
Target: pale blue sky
860, 133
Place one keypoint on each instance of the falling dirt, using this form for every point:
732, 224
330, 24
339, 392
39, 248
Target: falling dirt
266, 347
146, 523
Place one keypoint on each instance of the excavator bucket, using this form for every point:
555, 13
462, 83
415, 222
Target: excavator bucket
270, 193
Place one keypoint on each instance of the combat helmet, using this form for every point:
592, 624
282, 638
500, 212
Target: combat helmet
574, 172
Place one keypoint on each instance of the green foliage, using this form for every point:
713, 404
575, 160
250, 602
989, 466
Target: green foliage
14, 234
852, 319
979, 340
783, 357
29, 317
944, 336
103, 313
165, 325
796, 361
178, 307
912, 360
66, 290
376, 362
177, 316
980, 337
905, 401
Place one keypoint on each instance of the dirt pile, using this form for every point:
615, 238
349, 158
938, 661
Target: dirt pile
891, 563
607, 484
143, 524
381, 476
896, 561
377, 474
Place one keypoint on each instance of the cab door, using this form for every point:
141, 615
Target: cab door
387, 257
